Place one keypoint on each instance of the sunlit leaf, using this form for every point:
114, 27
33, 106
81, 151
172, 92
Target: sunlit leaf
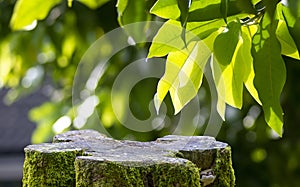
199, 10
167, 39
244, 56
183, 75
288, 16
167, 9
27, 12
205, 28
288, 46
209, 10
227, 71
93, 4
70, 3
221, 105
270, 73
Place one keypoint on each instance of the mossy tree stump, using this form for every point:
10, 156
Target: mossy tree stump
88, 158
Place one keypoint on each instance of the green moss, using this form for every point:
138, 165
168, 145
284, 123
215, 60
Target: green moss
85, 158
223, 168
182, 175
103, 173
55, 168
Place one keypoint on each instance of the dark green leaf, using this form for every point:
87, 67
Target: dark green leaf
270, 7
260, 6
224, 9
246, 6
225, 44
294, 6
184, 6
270, 73
132, 11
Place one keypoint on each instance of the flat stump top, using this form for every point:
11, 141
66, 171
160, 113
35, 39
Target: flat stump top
97, 160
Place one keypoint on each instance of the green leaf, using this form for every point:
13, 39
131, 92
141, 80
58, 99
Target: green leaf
246, 6
133, 11
224, 9
269, 7
287, 15
294, 6
225, 44
27, 12
270, 73
167, 39
227, 71
183, 75
205, 28
244, 56
288, 46
199, 10
209, 10
184, 6
221, 105
70, 2
167, 9
93, 4
121, 6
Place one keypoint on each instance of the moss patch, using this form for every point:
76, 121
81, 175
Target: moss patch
97, 172
87, 158
223, 169
49, 168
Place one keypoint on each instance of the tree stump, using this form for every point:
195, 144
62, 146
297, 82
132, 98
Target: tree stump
88, 158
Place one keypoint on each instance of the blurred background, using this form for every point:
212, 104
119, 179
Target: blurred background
37, 69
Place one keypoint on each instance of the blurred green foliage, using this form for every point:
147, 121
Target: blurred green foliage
46, 58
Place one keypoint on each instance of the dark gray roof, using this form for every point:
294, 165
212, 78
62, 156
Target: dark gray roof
15, 127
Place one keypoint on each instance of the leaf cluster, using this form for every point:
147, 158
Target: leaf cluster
241, 41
